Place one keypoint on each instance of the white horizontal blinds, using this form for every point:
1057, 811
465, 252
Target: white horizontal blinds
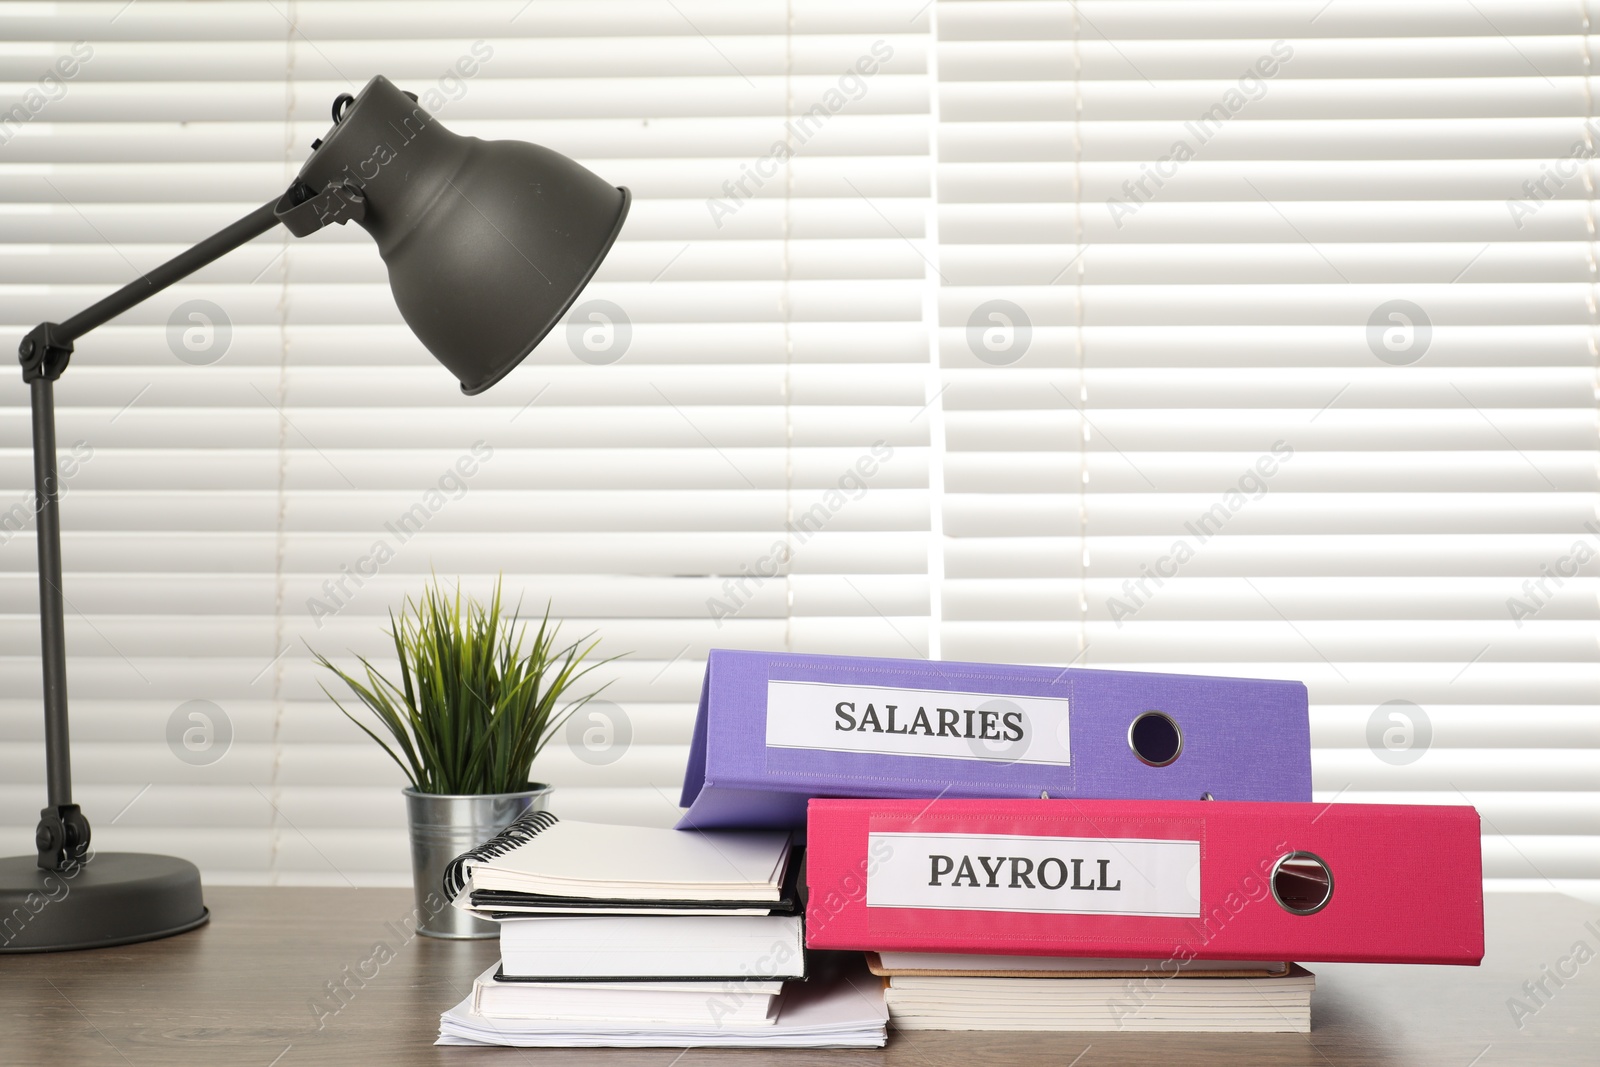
743, 387
1310, 385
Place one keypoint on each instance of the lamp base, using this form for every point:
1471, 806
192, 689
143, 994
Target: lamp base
113, 898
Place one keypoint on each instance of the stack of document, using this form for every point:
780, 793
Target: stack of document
840, 1006
635, 936
949, 992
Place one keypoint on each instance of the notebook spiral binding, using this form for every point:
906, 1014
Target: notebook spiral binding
523, 829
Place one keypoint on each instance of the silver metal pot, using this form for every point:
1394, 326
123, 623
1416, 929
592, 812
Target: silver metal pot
444, 826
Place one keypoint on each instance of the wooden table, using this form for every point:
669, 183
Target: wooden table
253, 989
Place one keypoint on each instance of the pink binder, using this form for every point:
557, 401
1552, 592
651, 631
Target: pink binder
1364, 883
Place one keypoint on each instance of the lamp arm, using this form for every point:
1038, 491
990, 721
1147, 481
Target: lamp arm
62, 837
48, 346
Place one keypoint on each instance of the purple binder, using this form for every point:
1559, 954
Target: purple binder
775, 729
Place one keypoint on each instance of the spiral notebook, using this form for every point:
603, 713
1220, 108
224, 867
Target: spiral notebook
541, 864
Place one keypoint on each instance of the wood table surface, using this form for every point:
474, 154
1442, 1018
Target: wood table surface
251, 989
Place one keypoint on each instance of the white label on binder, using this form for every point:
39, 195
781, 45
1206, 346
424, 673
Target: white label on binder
1044, 875
999, 728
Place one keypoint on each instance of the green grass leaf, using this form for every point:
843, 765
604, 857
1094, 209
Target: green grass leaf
476, 701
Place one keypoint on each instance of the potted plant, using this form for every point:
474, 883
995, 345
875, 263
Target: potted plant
476, 702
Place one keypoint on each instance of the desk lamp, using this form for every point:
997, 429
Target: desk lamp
488, 243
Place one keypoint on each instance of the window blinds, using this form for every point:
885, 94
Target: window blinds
1268, 342
726, 445
1250, 338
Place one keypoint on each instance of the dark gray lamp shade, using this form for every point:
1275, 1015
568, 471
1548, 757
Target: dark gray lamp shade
488, 243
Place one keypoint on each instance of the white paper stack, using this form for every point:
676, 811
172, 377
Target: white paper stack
840, 1007
641, 937
1155, 1001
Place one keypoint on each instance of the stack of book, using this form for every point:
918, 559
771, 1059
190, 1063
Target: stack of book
633, 936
